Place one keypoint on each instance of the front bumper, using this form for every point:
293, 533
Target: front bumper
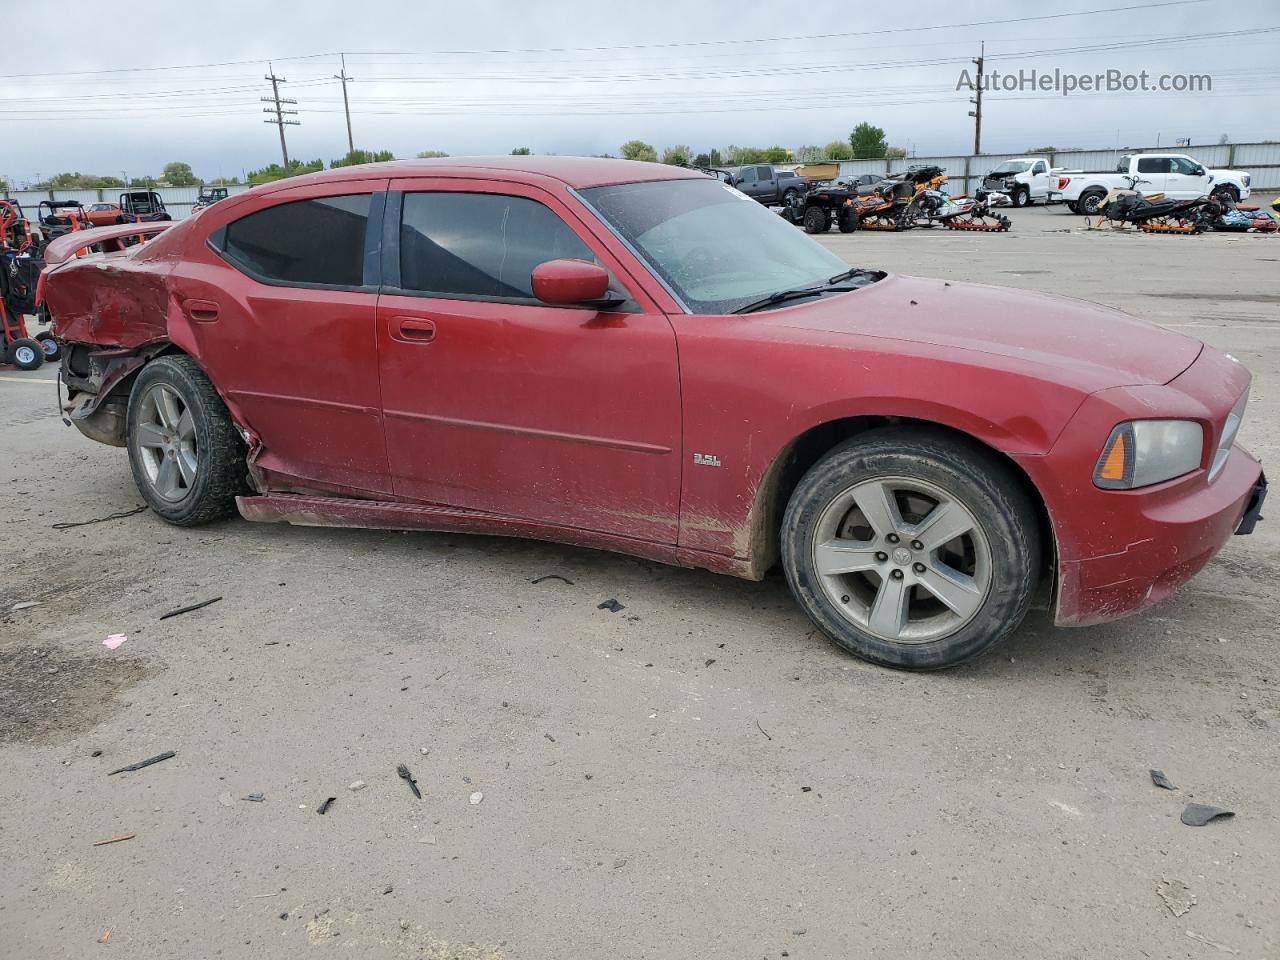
1171, 542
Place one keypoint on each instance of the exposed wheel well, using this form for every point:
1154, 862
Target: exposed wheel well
784, 474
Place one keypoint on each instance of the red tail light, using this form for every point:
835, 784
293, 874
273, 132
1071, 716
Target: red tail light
1062, 182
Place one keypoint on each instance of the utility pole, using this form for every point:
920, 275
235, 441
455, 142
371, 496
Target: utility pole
280, 113
976, 112
346, 107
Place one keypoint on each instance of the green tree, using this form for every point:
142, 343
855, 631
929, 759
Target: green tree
678, 154
896, 153
776, 154
702, 160
838, 150
142, 183
1036, 150
355, 157
521, 151
179, 174
638, 150
714, 157
810, 154
431, 154
273, 171
868, 142
225, 182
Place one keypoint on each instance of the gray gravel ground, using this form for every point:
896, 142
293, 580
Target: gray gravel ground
696, 776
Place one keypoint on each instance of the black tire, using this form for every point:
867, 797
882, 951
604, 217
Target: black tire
49, 344
25, 354
1021, 197
1089, 200
1227, 192
846, 223
968, 475
220, 473
816, 220
1073, 206
790, 196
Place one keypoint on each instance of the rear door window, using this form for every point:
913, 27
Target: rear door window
318, 241
480, 245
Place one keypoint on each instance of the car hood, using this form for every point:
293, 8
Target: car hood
1093, 345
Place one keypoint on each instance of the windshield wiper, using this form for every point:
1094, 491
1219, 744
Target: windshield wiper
782, 296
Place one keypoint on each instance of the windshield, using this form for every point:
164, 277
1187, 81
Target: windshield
715, 247
1011, 166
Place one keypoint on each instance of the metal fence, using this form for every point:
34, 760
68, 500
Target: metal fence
1260, 160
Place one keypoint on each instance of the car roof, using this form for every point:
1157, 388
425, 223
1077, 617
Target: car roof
578, 172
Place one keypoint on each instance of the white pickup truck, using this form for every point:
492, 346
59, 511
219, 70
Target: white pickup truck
1176, 175
1025, 180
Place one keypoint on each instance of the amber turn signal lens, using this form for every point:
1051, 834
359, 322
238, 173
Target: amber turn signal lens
1111, 465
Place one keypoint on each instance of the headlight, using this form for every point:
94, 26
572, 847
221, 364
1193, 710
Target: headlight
1142, 452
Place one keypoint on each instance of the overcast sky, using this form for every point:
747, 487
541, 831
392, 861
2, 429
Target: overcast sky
572, 76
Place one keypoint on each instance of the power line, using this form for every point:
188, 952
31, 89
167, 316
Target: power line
279, 120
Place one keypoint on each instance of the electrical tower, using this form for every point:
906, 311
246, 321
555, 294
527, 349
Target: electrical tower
280, 113
976, 112
346, 107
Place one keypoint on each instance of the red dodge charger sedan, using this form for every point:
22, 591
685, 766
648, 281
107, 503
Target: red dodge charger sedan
639, 358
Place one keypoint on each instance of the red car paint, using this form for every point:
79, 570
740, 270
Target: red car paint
598, 428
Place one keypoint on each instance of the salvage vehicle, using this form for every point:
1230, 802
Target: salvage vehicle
103, 214
1175, 175
770, 185
57, 217
142, 206
1024, 180
635, 358
208, 197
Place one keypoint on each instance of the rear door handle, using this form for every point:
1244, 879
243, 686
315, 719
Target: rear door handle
201, 311
413, 329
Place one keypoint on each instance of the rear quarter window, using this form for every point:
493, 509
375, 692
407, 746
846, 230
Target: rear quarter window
317, 241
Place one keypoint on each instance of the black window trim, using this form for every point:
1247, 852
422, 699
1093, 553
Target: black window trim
372, 258
392, 215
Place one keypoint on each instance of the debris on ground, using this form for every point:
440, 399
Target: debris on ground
111, 516
225, 799
1177, 896
403, 772
145, 763
24, 605
1201, 938
428, 838
114, 640
553, 576
388, 889
550, 737
356, 785
619, 863
612, 605
324, 807
709, 662
476, 797
255, 797
1198, 814
1160, 780
188, 609
106, 936
762, 730
103, 843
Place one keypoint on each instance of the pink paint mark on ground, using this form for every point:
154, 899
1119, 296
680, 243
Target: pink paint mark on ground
114, 641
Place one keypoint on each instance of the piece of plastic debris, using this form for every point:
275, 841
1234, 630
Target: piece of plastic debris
1160, 780
357, 785
1201, 938
105, 936
428, 838
805, 789
1177, 896
612, 605
188, 609
145, 763
226, 800
1198, 814
114, 640
619, 863
25, 605
476, 797
403, 772
255, 797
103, 843
553, 576
284, 916
324, 807
388, 889
709, 662
550, 737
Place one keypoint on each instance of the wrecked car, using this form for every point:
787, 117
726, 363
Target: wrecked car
634, 357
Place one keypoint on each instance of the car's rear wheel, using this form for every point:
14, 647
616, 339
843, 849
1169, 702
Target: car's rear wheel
1073, 206
911, 549
186, 455
1089, 201
25, 354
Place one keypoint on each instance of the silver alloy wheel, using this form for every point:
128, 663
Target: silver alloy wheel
166, 439
902, 559
24, 355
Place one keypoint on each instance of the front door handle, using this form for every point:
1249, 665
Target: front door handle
413, 329
201, 311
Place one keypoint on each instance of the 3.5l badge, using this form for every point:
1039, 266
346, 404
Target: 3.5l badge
706, 460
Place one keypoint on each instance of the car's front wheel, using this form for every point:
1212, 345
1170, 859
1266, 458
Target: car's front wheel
186, 455
911, 549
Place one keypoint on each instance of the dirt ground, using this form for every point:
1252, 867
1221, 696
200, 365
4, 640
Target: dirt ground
698, 775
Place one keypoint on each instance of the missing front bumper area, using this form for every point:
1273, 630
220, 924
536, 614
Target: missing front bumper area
1253, 512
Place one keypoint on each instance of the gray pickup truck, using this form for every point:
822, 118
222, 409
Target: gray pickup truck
770, 185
